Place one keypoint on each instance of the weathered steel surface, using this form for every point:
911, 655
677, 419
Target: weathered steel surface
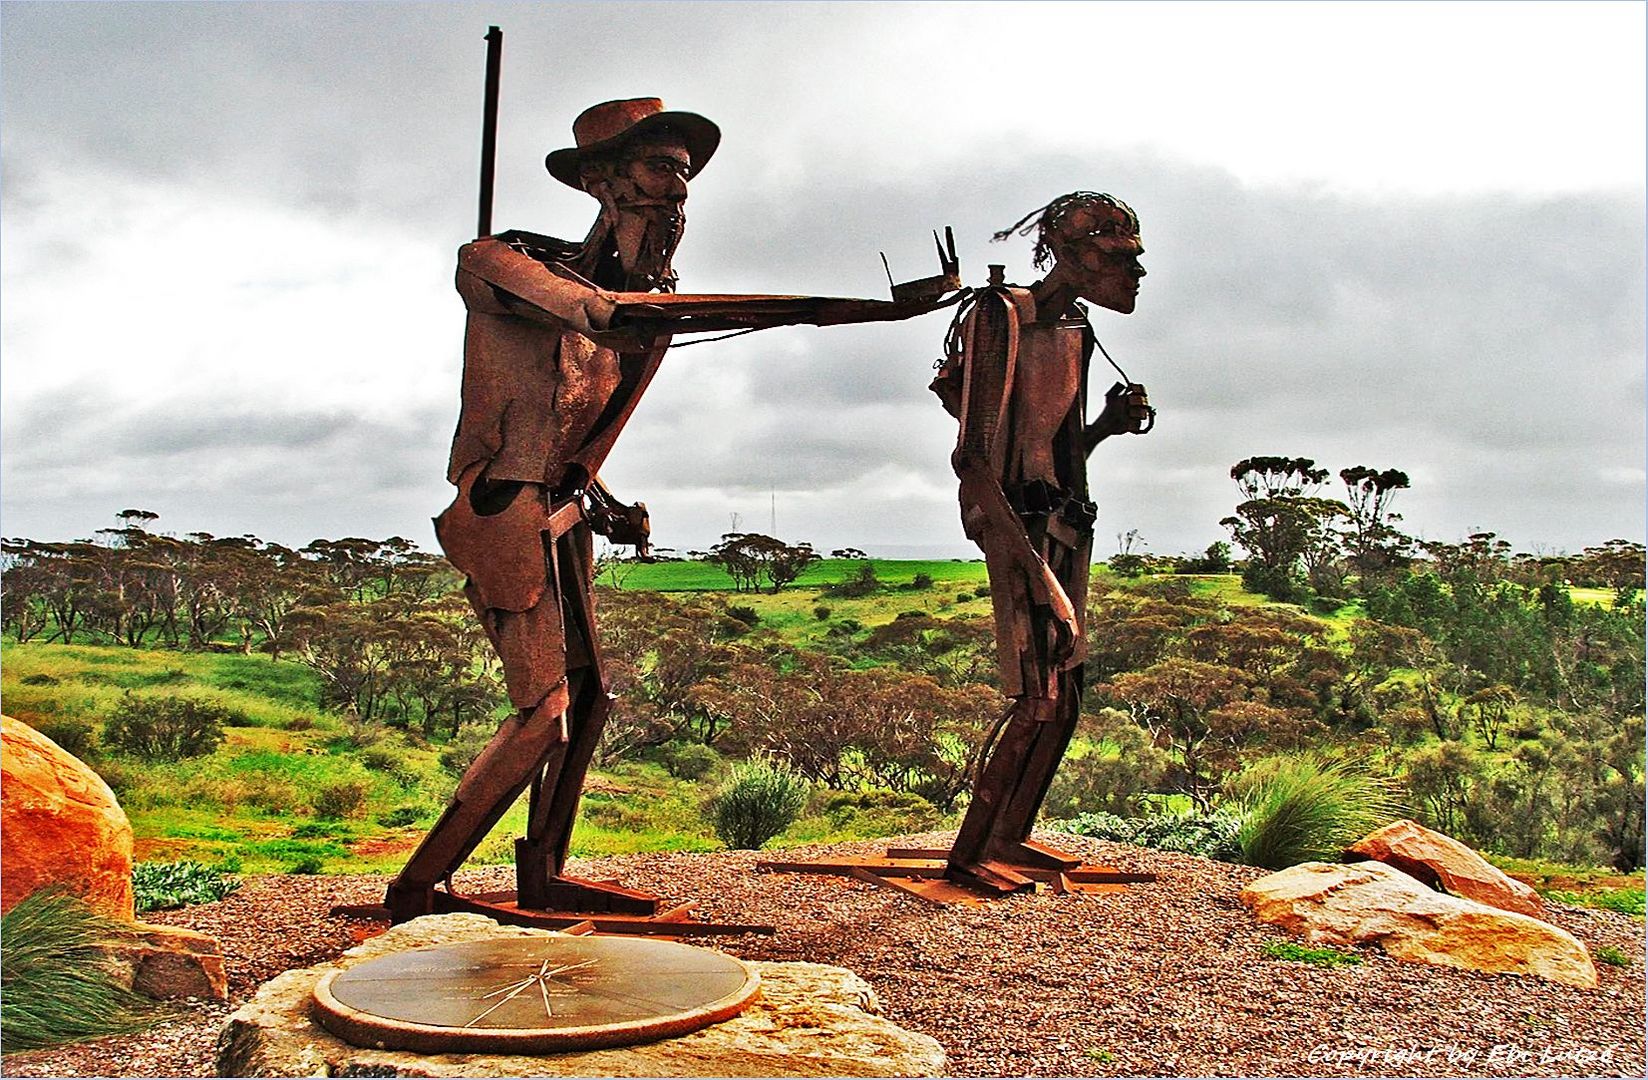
562, 340
1016, 379
925, 873
533, 995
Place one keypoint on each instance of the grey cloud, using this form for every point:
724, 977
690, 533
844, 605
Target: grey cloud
1491, 344
78, 456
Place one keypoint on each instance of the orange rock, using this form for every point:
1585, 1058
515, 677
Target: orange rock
172, 962
60, 825
1372, 903
1438, 859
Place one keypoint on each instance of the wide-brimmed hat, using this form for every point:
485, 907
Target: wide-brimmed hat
604, 126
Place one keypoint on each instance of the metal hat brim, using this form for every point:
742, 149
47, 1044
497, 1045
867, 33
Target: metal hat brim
700, 134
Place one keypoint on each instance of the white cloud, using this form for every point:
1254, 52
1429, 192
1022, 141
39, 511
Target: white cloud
164, 291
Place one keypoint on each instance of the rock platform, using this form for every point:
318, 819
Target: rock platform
810, 1020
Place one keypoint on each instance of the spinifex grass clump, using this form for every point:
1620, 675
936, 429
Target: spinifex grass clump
1297, 809
763, 797
160, 885
55, 981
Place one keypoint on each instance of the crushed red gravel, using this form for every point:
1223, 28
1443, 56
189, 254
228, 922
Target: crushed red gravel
1167, 978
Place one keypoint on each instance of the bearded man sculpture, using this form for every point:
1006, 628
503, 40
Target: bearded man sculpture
562, 341
1015, 376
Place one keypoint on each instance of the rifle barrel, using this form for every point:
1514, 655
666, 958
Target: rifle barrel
489, 127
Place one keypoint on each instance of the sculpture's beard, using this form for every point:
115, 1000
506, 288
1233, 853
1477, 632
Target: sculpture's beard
645, 237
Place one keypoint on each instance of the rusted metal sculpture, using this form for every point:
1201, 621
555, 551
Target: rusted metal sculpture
1016, 377
562, 340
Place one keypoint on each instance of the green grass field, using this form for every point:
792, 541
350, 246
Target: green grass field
704, 577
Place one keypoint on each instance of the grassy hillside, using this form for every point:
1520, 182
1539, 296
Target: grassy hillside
296, 789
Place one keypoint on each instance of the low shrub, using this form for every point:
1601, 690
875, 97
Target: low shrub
300, 723
168, 727
693, 761
762, 798
863, 583
271, 794
1607, 954
319, 830
1114, 778
359, 733
40, 678
308, 864
341, 799
821, 613
402, 816
920, 581
744, 614
394, 761
878, 812
1298, 809
982, 591
465, 746
383, 759
74, 735
123, 778
1211, 835
615, 815
157, 886
59, 986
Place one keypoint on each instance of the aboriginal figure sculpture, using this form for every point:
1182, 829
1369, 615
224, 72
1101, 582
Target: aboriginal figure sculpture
1015, 376
562, 340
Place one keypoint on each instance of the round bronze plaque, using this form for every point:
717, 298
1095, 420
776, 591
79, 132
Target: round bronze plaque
533, 995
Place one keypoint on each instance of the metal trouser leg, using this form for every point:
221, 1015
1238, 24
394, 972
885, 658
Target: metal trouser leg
541, 856
1035, 733
489, 787
518, 598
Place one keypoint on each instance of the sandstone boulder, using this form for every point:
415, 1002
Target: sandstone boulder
1371, 902
1438, 859
60, 825
810, 1020
171, 962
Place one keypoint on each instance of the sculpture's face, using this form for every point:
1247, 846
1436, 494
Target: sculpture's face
643, 189
1097, 247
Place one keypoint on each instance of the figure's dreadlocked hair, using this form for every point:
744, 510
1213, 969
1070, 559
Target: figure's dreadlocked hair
1047, 219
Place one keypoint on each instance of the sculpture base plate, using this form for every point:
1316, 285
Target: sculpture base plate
533, 995
926, 873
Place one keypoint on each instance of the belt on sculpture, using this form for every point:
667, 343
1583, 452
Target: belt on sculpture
1038, 498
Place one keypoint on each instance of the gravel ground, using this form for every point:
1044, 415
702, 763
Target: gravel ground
1164, 979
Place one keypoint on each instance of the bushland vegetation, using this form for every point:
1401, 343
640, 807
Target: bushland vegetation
1495, 695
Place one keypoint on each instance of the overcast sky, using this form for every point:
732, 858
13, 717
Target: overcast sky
1397, 235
